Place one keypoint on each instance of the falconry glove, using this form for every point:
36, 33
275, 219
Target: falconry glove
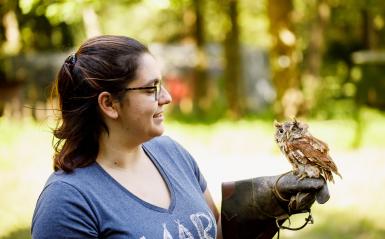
251, 208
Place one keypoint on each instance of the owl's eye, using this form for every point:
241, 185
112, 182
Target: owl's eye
280, 131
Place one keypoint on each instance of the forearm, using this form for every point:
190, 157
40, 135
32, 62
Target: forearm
241, 217
219, 228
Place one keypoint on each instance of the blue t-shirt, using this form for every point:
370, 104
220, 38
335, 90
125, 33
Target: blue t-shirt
89, 203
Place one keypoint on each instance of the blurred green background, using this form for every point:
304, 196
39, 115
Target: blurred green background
232, 67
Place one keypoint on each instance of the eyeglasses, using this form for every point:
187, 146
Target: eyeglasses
156, 89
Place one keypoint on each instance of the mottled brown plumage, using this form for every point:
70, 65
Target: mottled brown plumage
308, 155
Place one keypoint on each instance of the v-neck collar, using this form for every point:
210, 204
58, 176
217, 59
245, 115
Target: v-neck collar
165, 178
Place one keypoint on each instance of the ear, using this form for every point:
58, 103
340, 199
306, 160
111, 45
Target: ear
277, 124
107, 105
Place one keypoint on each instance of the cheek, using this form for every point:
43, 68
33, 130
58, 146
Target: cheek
143, 113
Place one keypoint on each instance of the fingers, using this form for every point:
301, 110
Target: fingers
291, 184
322, 196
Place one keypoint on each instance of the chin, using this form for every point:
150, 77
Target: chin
158, 131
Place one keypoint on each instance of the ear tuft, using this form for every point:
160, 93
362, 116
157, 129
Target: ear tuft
295, 122
277, 124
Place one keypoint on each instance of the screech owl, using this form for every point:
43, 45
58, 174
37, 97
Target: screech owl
308, 155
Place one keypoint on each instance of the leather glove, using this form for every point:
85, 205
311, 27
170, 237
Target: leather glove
251, 207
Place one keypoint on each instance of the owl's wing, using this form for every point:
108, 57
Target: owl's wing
316, 143
315, 151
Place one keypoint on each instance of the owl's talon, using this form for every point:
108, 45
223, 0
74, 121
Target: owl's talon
302, 176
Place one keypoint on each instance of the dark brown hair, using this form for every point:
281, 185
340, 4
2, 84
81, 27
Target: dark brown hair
104, 63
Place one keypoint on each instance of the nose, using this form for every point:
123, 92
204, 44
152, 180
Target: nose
164, 97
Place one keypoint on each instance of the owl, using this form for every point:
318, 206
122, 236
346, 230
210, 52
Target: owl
308, 155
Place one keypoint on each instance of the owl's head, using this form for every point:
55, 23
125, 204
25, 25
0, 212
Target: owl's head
289, 130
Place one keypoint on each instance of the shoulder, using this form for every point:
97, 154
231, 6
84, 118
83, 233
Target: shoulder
76, 179
80, 185
66, 205
60, 190
68, 186
58, 198
63, 209
166, 145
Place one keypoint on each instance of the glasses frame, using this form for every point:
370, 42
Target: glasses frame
157, 87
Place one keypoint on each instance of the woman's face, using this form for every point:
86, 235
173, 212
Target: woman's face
141, 115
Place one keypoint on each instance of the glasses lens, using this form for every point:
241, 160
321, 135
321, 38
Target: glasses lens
158, 86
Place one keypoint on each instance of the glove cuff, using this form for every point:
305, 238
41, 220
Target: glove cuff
242, 216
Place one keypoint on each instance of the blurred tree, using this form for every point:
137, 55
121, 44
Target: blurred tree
10, 33
193, 32
201, 99
353, 26
317, 17
233, 61
28, 28
284, 58
311, 42
29, 39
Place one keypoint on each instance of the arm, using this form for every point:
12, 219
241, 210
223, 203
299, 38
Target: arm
211, 204
63, 212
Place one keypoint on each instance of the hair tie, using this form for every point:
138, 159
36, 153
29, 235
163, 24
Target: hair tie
71, 59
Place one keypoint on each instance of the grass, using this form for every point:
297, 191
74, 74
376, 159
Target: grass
225, 151
336, 224
24, 164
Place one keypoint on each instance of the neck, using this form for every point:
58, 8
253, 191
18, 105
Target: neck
114, 153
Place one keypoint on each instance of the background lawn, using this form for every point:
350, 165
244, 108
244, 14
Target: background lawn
225, 151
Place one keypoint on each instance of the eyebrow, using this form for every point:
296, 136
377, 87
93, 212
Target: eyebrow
153, 81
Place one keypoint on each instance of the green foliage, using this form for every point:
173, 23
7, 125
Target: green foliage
371, 87
150, 21
254, 23
22, 233
351, 25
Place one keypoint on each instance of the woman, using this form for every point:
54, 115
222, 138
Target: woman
115, 175
108, 181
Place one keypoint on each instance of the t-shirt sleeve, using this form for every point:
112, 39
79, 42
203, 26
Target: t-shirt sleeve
63, 212
198, 174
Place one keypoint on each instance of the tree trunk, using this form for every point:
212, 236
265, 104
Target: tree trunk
371, 37
12, 34
313, 60
283, 59
233, 71
201, 99
91, 22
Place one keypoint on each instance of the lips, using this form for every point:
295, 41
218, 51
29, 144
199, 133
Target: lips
157, 115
